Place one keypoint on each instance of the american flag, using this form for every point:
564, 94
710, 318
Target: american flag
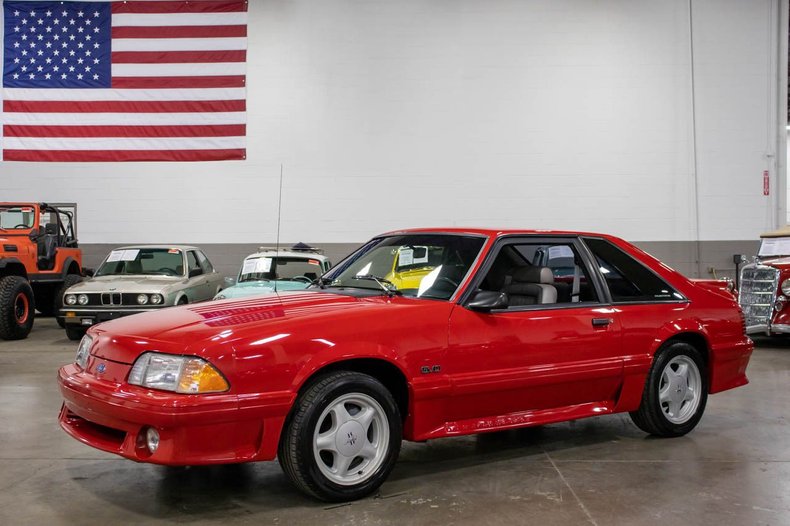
124, 80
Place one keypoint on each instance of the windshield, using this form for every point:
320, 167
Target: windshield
774, 246
17, 217
143, 261
415, 265
280, 268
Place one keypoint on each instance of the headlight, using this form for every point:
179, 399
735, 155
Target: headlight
156, 299
786, 287
142, 299
181, 374
83, 351
70, 299
82, 299
219, 297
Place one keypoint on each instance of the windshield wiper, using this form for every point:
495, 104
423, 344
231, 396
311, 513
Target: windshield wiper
382, 282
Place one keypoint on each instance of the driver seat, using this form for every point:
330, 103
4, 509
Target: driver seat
47, 247
532, 286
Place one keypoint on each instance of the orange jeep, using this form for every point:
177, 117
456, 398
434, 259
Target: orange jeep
39, 260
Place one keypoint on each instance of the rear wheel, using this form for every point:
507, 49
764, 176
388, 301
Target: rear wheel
16, 308
343, 437
57, 300
675, 394
43, 294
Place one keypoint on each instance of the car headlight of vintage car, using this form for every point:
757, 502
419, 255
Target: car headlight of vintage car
157, 299
70, 299
786, 287
83, 351
142, 299
180, 374
82, 299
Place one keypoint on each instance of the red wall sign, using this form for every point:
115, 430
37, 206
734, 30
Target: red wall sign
766, 183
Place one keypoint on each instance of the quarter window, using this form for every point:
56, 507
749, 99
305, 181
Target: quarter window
627, 278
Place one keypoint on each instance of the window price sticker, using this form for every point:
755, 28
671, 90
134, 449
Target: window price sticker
123, 255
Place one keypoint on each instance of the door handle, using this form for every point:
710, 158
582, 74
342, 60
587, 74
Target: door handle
602, 322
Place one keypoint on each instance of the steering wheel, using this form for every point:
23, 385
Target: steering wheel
167, 271
21, 226
302, 279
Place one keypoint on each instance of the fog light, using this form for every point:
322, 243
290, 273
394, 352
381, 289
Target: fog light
152, 439
82, 299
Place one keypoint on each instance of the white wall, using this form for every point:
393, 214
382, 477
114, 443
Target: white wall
538, 114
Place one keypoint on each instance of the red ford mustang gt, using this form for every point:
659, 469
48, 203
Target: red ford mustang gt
419, 334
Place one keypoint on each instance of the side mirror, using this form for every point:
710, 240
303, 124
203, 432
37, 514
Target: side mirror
229, 282
488, 300
195, 272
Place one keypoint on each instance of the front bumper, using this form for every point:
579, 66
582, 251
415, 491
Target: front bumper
193, 429
88, 316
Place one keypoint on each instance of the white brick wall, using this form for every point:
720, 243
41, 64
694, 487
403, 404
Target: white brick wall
388, 114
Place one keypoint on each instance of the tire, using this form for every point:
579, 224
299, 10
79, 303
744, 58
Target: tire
75, 333
57, 300
183, 301
17, 307
665, 388
363, 411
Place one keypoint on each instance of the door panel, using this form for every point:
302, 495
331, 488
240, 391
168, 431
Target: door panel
531, 359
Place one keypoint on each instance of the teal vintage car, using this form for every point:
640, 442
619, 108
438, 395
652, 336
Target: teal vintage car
270, 270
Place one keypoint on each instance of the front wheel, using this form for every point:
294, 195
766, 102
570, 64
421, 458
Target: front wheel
16, 308
75, 333
675, 394
342, 438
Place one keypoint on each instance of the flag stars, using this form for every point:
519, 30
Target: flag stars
16, 76
49, 13
16, 29
79, 76
95, 29
49, 45
24, 37
16, 44
72, 22
16, 13
56, 21
32, 29
95, 60
48, 76
80, 29
48, 29
63, 76
71, 69
32, 76
95, 14
24, 21
32, 14
24, 52
16, 60
40, 52
40, 69
56, 69
80, 45
80, 61
23, 68
80, 14
48, 61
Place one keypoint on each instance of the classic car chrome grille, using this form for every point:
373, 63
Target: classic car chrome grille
757, 294
111, 298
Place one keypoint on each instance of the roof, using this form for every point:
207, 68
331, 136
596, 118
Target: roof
179, 247
493, 232
781, 232
288, 254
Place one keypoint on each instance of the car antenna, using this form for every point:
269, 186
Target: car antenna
279, 213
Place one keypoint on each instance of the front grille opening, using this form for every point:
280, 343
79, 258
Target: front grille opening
758, 292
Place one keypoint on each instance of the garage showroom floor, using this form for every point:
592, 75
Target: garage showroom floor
733, 469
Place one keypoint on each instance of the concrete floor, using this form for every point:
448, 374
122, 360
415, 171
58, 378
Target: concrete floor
733, 469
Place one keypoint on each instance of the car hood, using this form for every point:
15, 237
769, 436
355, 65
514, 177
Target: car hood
208, 328
129, 284
250, 288
781, 262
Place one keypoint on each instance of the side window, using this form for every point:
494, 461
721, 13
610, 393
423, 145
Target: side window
627, 278
540, 273
205, 264
193, 264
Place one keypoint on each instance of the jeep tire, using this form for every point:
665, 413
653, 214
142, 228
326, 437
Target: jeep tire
17, 308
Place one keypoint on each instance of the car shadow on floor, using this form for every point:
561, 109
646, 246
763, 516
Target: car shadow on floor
240, 489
